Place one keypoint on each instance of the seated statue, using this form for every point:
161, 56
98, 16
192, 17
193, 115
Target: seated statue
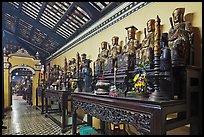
126, 60
113, 54
115, 50
146, 51
179, 38
82, 62
98, 67
104, 54
165, 56
132, 45
73, 67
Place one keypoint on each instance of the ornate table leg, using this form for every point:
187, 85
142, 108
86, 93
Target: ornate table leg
74, 118
102, 125
42, 103
46, 106
89, 120
64, 116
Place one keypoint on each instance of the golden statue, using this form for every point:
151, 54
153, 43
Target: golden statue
104, 54
73, 66
146, 52
131, 46
115, 50
126, 60
180, 38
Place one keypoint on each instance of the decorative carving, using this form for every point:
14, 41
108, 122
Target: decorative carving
22, 51
5, 52
37, 55
115, 115
6, 65
38, 67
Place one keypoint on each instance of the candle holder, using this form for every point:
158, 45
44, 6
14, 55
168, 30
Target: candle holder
113, 89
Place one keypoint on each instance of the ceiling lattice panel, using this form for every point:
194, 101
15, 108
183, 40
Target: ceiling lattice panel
47, 26
10, 22
24, 29
31, 8
99, 5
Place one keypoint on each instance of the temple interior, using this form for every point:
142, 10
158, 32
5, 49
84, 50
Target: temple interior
101, 68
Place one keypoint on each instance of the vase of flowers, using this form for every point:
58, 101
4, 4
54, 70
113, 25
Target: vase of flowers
139, 83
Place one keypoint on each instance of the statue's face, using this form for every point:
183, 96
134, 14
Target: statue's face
177, 16
150, 26
103, 45
114, 40
131, 33
83, 57
73, 60
69, 62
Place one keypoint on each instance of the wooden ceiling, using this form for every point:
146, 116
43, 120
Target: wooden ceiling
47, 26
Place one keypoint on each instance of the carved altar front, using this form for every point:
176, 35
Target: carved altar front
146, 115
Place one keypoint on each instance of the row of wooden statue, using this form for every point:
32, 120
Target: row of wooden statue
66, 77
178, 40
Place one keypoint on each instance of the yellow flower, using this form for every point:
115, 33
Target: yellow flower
136, 78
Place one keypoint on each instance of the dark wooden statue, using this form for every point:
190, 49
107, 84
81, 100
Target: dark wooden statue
86, 76
165, 55
180, 38
98, 67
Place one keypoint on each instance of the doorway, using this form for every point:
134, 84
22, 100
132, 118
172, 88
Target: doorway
21, 85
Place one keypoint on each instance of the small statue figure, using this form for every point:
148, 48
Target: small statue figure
104, 54
126, 60
83, 58
87, 76
146, 52
131, 46
73, 67
165, 57
98, 67
180, 38
115, 50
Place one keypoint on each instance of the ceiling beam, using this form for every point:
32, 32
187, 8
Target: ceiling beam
25, 41
6, 8
42, 8
93, 13
13, 38
110, 7
69, 11
38, 18
89, 9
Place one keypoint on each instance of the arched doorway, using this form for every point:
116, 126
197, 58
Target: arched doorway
20, 60
21, 84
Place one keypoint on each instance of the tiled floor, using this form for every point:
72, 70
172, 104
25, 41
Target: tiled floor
24, 120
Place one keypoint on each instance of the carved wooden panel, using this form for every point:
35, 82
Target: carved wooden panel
139, 120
